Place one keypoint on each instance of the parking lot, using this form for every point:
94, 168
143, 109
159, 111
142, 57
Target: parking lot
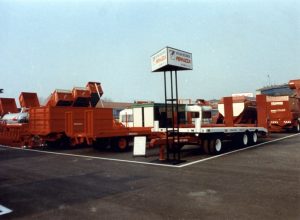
259, 182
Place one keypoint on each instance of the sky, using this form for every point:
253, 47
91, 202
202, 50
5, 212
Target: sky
59, 44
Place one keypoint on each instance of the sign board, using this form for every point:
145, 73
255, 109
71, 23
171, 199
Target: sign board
139, 146
169, 59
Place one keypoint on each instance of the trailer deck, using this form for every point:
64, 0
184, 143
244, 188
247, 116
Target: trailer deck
217, 128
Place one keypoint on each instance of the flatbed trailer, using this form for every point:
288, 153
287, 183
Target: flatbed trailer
210, 136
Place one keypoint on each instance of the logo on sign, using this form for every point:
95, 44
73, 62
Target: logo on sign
172, 54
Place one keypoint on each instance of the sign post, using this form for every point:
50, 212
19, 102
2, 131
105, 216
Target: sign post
172, 60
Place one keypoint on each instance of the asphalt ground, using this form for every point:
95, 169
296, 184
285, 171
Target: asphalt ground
260, 182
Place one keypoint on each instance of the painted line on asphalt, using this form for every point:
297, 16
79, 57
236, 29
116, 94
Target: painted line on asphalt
235, 151
4, 210
92, 157
148, 163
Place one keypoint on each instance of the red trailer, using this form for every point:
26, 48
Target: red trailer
284, 111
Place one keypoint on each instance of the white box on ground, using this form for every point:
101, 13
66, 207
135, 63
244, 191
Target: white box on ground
139, 146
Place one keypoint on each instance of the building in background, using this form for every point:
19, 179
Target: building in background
276, 90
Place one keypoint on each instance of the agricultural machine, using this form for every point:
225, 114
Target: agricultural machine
69, 117
284, 111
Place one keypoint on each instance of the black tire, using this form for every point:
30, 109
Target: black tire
244, 140
215, 146
252, 138
205, 146
120, 144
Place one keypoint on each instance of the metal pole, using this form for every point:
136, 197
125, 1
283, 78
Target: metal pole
166, 116
177, 110
173, 124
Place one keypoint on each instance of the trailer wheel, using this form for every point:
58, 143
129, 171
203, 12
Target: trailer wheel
253, 138
215, 146
244, 140
120, 144
205, 146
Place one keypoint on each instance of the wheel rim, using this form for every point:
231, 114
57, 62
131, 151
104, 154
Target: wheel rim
218, 145
298, 127
122, 143
245, 139
254, 137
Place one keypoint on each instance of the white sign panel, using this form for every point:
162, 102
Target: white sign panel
180, 59
169, 59
139, 146
159, 59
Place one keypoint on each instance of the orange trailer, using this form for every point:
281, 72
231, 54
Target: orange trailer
78, 125
284, 111
70, 118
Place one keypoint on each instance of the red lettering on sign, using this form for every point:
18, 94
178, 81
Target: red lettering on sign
160, 59
181, 59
